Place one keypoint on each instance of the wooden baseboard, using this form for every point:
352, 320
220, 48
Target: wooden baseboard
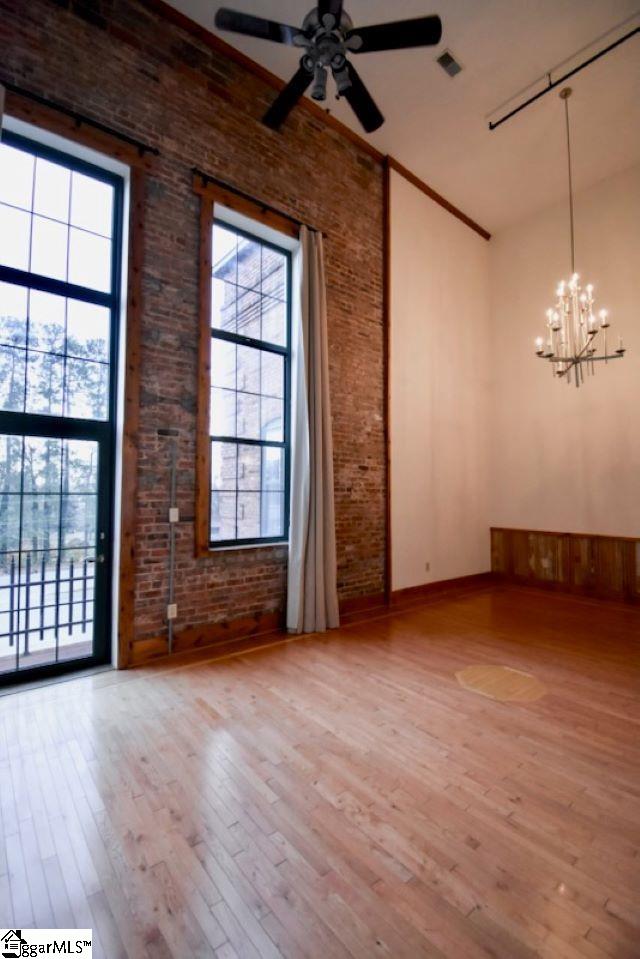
212, 635
418, 594
205, 636
260, 627
582, 564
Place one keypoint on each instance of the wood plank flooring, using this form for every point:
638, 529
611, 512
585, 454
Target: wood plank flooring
340, 796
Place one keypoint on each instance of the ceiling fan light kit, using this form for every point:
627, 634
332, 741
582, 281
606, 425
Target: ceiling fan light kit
327, 36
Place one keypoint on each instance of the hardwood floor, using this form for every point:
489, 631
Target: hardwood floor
341, 795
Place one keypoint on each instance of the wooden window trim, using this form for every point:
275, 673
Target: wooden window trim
203, 445
246, 206
48, 118
210, 194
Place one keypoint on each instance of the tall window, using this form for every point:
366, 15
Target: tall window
60, 234
250, 376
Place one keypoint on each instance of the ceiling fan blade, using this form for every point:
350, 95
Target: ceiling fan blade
287, 99
361, 102
250, 26
400, 35
333, 7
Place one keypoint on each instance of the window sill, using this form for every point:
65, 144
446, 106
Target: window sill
228, 548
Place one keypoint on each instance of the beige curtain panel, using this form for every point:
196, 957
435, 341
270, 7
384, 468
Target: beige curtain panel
312, 598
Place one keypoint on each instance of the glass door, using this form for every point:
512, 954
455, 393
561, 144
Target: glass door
60, 226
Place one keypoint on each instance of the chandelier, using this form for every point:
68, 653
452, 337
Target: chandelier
576, 334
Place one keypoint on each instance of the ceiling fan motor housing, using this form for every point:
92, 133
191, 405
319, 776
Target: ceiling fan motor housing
326, 48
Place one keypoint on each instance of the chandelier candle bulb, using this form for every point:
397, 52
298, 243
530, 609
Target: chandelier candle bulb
574, 329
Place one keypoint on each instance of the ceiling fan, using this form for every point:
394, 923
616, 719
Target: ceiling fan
326, 36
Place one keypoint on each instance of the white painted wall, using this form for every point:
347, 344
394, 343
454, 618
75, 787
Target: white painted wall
481, 434
439, 392
562, 458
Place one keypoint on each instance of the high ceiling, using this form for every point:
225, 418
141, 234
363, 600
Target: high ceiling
437, 126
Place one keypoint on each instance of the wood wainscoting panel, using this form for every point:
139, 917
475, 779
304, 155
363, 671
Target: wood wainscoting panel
609, 566
606, 567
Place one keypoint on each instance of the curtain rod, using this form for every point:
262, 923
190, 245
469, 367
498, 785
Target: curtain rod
266, 207
555, 83
80, 119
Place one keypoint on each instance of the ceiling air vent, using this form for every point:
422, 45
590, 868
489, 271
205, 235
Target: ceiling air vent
449, 63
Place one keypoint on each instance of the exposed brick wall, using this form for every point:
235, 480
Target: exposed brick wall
125, 65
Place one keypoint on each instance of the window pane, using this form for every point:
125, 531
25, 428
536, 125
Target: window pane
10, 465
223, 466
41, 465
274, 273
44, 384
225, 261
248, 310
79, 520
13, 314
51, 195
249, 299
272, 420
248, 416
87, 330
80, 466
274, 321
89, 260
15, 230
248, 515
49, 248
223, 412
46, 321
92, 204
249, 468
12, 378
16, 177
249, 263
40, 518
223, 516
272, 383
248, 369
87, 335
272, 514
223, 364
272, 468
87, 390
223, 306
9, 523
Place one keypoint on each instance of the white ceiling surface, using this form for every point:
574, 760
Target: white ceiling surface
437, 126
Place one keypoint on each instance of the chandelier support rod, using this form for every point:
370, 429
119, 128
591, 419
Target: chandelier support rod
565, 94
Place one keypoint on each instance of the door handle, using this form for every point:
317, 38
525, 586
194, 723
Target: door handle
96, 559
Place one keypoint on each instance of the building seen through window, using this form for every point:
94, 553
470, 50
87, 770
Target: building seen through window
250, 357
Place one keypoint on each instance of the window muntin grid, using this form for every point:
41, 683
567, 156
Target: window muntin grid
59, 304
249, 399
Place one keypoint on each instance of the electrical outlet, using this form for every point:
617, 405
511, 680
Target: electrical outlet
172, 611
427, 567
174, 514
